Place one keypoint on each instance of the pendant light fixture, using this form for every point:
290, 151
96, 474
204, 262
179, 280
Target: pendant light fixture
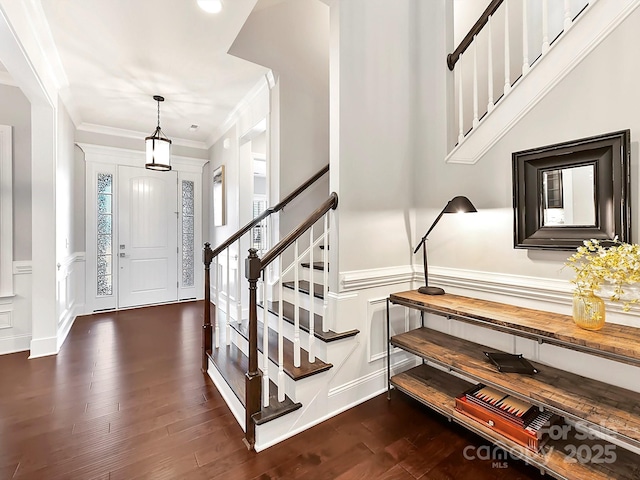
158, 146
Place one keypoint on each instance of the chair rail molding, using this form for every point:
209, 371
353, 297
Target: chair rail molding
375, 277
551, 294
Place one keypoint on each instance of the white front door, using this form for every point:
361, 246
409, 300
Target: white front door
147, 245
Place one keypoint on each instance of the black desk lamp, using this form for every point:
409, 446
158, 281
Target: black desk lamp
455, 205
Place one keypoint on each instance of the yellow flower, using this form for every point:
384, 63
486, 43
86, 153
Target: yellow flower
617, 264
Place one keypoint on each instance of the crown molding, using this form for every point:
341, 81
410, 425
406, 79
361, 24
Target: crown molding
42, 33
7, 79
265, 83
125, 156
124, 133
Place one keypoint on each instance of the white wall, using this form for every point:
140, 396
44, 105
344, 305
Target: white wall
374, 110
15, 312
292, 39
225, 153
70, 278
16, 111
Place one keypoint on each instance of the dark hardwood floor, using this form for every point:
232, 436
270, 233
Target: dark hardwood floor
125, 399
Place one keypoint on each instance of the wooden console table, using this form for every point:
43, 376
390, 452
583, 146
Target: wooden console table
601, 407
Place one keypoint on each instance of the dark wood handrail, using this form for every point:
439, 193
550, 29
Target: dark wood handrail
452, 58
281, 246
283, 203
220, 248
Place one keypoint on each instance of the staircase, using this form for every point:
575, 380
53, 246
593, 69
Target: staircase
270, 355
511, 59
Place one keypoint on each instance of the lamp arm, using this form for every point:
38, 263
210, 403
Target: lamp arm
424, 239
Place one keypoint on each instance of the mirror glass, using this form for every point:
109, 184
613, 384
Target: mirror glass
573, 191
568, 196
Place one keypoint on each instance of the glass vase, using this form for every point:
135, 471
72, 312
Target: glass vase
588, 311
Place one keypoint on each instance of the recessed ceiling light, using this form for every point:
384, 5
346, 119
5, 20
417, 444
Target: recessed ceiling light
210, 6
193, 127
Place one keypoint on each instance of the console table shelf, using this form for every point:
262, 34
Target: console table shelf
438, 390
617, 342
604, 408
565, 393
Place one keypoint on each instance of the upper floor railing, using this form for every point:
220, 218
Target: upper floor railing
500, 48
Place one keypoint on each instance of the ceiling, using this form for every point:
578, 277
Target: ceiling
115, 55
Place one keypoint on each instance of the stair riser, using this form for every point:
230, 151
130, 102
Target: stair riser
288, 331
292, 387
317, 276
305, 301
312, 274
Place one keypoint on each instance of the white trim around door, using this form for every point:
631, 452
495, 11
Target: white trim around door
102, 223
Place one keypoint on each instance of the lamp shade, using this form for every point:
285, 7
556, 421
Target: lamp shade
158, 146
459, 205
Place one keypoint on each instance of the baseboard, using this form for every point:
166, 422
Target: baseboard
64, 325
359, 384
363, 389
43, 347
17, 343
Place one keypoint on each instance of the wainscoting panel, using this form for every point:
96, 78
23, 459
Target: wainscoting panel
15, 312
70, 293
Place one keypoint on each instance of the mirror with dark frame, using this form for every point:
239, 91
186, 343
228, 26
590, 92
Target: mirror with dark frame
569, 192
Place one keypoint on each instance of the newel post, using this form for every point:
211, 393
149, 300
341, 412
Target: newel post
207, 257
253, 377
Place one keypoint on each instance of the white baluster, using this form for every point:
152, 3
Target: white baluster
312, 302
460, 103
216, 274
265, 347
280, 337
545, 26
296, 306
507, 54
238, 288
475, 82
525, 38
227, 313
490, 104
567, 15
325, 276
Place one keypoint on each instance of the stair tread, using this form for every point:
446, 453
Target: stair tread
233, 364
303, 287
288, 315
305, 369
316, 265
